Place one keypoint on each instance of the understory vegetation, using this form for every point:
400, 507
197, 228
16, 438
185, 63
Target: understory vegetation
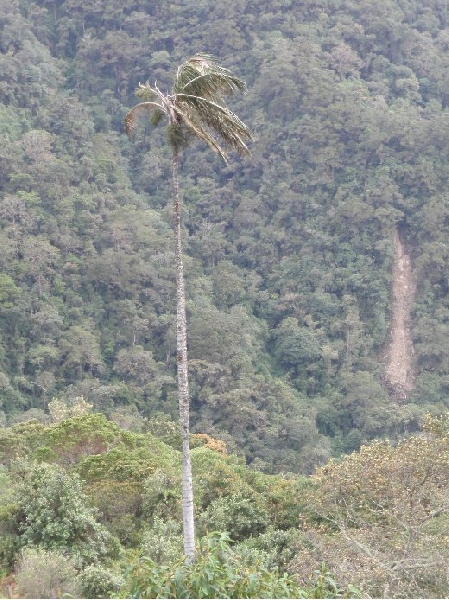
90, 509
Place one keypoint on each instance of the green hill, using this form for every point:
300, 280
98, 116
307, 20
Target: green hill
290, 256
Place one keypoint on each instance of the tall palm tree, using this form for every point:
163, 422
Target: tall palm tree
194, 108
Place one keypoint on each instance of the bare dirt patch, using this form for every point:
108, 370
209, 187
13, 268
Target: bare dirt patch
399, 353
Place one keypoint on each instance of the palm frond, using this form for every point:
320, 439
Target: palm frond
156, 116
196, 105
200, 132
141, 109
225, 124
147, 93
202, 76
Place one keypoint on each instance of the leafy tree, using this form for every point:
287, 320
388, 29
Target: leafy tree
9, 542
238, 515
60, 410
54, 513
163, 543
9, 292
194, 108
382, 513
96, 581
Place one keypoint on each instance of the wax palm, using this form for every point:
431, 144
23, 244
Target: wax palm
194, 109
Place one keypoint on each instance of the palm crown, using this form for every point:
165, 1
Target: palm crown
196, 106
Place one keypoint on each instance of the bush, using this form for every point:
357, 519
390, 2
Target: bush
277, 547
99, 582
163, 543
239, 516
216, 573
162, 495
9, 541
46, 574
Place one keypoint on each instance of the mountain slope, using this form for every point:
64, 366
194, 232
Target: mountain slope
290, 266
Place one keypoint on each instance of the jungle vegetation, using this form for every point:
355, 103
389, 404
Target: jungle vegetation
290, 260
91, 509
288, 256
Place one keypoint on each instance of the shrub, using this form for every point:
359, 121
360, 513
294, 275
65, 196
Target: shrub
275, 545
163, 543
99, 582
55, 514
8, 521
162, 495
61, 410
46, 574
216, 573
239, 516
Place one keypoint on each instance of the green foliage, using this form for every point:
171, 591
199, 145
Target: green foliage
163, 427
276, 546
46, 574
112, 464
20, 440
9, 541
381, 513
69, 440
163, 543
47, 508
9, 292
214, 476
60, 410
99, 582
215, 573
162, 495
282, 497
119, 506
288, 262
124, 462
295, 344
238, 515
325, 586
54, 514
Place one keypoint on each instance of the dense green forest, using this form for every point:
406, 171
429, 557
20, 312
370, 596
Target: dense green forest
289, 255
317, 307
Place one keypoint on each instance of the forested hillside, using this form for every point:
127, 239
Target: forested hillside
290, 255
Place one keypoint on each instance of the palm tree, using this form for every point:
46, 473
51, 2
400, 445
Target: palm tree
194, 108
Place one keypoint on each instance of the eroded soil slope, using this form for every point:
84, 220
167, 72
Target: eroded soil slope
399, 355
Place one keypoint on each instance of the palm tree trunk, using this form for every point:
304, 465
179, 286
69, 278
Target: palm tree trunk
183, 378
